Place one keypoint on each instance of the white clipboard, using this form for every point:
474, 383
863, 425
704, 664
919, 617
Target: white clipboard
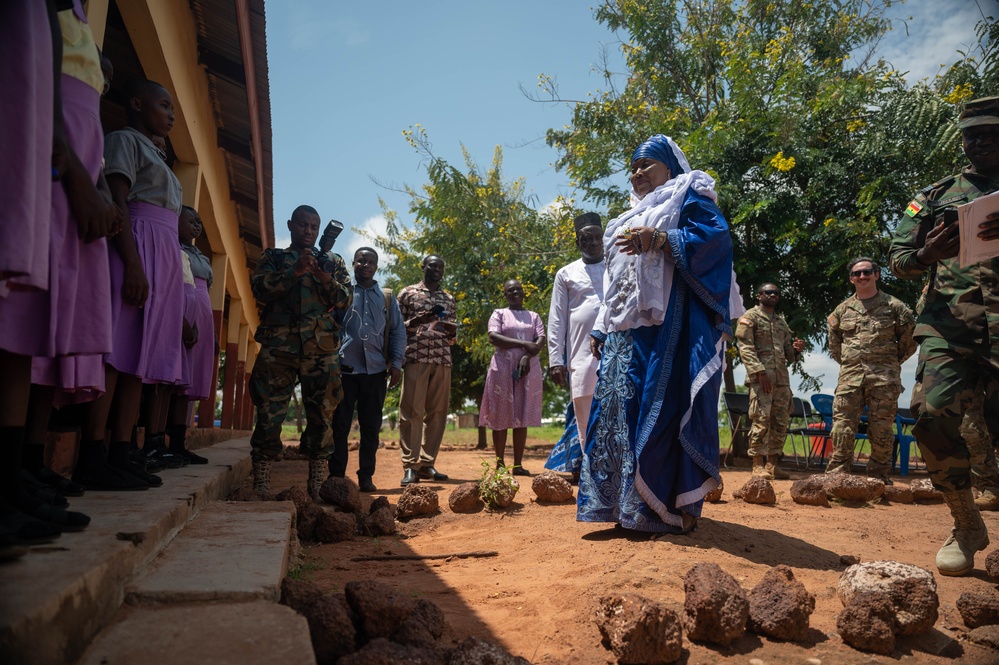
969, 216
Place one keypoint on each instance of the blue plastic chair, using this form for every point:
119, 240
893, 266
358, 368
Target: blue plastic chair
802, 412
823, 407
903, 440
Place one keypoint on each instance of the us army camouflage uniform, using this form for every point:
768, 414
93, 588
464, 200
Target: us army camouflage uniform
299, 342
870, 340
766, 343
977, 434
958, 332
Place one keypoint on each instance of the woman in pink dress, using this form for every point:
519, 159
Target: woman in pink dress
512, 398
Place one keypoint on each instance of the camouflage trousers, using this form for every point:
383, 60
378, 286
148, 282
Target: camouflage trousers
272, 382
882, 405
947, 378
770, 415
981, 445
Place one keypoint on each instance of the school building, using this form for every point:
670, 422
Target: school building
212, 57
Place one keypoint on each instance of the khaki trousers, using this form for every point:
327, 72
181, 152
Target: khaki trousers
426, 390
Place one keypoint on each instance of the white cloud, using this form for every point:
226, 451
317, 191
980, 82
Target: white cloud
936, 31
373, 226
555, 206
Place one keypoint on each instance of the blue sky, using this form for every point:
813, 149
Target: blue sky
347, 78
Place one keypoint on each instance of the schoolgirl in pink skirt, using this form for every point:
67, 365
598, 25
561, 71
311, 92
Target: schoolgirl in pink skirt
147, 292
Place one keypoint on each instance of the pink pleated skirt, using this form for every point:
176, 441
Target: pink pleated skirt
147, 341
79, 295
25, 141
26, 174
198, 360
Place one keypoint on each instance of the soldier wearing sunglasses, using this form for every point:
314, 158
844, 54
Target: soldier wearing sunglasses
767, 347
870, 336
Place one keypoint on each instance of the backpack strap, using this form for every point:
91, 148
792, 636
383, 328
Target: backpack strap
387, 337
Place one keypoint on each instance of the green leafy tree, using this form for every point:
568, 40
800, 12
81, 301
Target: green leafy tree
487, 231
816, 144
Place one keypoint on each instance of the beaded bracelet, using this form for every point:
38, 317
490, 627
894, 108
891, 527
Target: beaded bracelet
658, 239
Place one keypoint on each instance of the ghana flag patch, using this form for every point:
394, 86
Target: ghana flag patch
913, 209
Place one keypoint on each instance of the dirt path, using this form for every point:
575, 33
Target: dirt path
538, 597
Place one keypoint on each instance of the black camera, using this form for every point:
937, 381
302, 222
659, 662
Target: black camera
330, 234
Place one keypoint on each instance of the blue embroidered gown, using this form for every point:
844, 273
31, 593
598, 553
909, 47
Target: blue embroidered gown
651, 450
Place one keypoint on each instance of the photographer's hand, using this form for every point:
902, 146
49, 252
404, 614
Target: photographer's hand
306, 263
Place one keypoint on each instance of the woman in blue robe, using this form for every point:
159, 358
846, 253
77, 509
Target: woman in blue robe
651, 452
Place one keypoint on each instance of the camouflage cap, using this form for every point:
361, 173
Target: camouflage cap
982, 111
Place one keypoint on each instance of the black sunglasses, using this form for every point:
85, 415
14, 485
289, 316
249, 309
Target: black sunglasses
866, 272
770, 292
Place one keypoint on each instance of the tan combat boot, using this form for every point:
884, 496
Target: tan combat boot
988, 500
957, 556
262, 476
317, 475
760, 467
775, 471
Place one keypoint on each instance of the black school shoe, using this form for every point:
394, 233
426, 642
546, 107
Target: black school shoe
18, 529
139, 472
63, 485
106, 478
192, 458
64, 520
165, 458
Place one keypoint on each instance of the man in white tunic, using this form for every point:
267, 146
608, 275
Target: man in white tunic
576, 298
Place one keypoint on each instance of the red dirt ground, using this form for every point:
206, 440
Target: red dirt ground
539, 595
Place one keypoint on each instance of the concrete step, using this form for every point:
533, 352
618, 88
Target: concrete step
234, 552
58, 597
250, 633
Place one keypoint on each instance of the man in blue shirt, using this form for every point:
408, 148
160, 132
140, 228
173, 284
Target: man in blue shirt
374, 348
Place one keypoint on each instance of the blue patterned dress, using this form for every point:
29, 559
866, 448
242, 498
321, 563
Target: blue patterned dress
651, 450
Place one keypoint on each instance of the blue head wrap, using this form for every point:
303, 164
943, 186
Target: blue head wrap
663, 149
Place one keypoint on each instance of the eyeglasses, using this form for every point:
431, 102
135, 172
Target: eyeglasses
866, 272
770, 293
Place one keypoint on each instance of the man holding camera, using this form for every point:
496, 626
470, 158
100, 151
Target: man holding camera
430, 316
296, 291
958, 326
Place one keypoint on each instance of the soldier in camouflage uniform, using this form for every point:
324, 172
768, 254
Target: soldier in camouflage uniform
981, 444
870, 336
766, 347
958, 329
299, 342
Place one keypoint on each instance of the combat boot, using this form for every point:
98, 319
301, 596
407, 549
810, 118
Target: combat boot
957, 556
760, 467
988, 500
262, 476
775, 471
317, 476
